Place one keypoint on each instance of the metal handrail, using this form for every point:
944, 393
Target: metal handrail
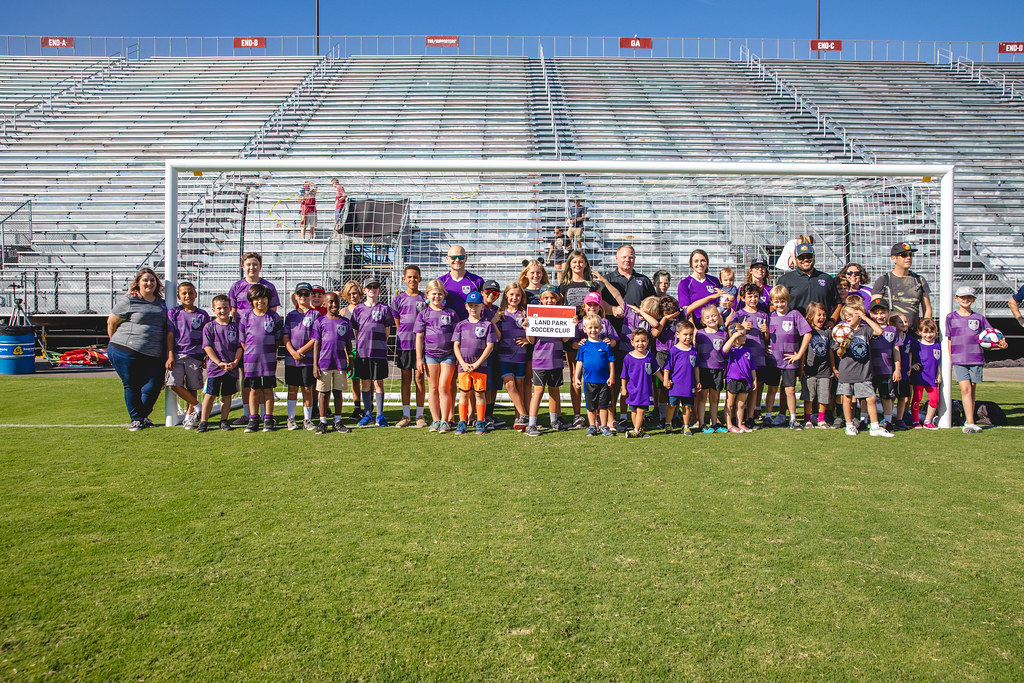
974, 73
554, 130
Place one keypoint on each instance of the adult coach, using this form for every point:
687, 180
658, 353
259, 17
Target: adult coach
137, 327
807, 284
459, 282
904, 290
633, 286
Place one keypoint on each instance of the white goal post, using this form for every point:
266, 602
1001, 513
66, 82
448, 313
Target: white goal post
927, 172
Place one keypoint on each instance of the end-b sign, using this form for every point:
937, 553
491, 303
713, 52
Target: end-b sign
256, 42
636, 43
550, 321
56, 41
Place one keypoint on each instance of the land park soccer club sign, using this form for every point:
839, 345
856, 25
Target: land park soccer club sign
551, 321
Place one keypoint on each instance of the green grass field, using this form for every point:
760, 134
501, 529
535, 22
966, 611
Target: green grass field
394, 554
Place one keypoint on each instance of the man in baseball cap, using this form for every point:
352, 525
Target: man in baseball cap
905, 291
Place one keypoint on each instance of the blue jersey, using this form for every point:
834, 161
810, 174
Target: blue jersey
595, 357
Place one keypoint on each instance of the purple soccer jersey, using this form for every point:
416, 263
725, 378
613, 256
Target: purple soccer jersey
709, 349
187, 327
963, 331
238, 291
755, 338
404, 309
666, 339
473, 338
785, 333
299, 328
371, 324
741, 364
903, 345
225, 342
930, 358
547, 354
437, 327
883, 347
459, 290
333, 334
631, 320
638, 374
511, 327
607, 331
681, 366
260, 336
691, 289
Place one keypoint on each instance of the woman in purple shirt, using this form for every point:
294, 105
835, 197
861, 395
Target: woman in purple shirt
698, 288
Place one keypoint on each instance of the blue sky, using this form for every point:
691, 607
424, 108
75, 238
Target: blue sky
991, 20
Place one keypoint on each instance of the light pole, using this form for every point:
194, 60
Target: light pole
817, 32
317, 46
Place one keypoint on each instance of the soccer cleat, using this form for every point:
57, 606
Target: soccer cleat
190, 421
521, 423
808, 424
135, 426
202, 427
708, 429
495, 424
382, 421
481, 427
357, 413
592, 430
917, 425
444, 428
644, 434
579, 422
404, 422
687, 431
420, 423
269, 423
734, 430
147, 423
434, 426
308, 425
880, 432
321, 428
668, 428
225, 426
242, 421
460, 428
720, 428
745, 429
253, 425
365, 421
341, 429
531, 430
489, 424
824, 424
930, 425
559, 425
887, 426
795, 426
633, 434
971, 429
607, 431
292, 424
851, 430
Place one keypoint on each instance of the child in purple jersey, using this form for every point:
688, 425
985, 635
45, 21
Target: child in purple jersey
404, 309
548, 363
711, 373
223, 348
332, 343
739, 378
252, 266
788, 337
639, 368
260, 330
372, 321
965, 352
435, 355
680, 375
298, 359
185, 355
885, 361
473, 340
819, 368
595, 376
926, 363
902, 419
511, 351
754, 319
854, 371
352, 296
668, 312
647, 317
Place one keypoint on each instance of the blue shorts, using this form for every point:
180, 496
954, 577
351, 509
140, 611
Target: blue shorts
517, 370
224, 385
442, 360
972, 373
680, 400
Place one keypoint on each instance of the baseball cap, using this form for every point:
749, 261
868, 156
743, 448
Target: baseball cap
804, 249
474, 297
318, 288
759, 263
880, 304
303, 287
371, 282
965, 291
734, 328
592, 298
492, 284
547, 288
901, 248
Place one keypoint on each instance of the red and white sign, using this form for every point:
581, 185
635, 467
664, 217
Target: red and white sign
442, 41
258, 42
1011, 48
551, 321
56, 41
826, 45
636, 43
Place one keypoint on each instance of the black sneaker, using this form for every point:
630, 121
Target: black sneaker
357, 413
321, 428
253, 425
202, 427
341, 429
225, 426
269, 423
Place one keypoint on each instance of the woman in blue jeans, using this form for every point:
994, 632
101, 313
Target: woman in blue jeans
137, 327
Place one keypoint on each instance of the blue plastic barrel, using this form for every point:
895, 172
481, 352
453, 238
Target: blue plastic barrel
17, 350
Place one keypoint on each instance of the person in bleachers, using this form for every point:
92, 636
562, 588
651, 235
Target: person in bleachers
307, 200
577, 214
557, 252
904, 290
340, 197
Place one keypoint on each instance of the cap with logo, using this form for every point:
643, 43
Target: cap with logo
804, 249
901, 248
303, 287
474, 297
371, 282
758, 263
492, 284
592, 298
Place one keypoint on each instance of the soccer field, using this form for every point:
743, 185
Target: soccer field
394, 554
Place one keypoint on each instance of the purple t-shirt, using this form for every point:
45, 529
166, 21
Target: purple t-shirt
187, 328
741, 363
239, 290
607, 331
473, 338
457, 291
437, 328
755, 338
903, 344
882, 348
691, 289
299, 328
963, 331
638, 374
631, 320
666, 339
709, 349
547, 354
511, 327
260, 336
225, 341
785, 333
372, 324
930, 358
333, 334
681, 366
404, 309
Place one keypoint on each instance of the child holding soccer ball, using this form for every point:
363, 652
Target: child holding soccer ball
962, 329
854, 351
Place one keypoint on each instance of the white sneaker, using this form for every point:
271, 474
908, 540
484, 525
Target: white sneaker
878, 431
190, 421
851, 430
971, 429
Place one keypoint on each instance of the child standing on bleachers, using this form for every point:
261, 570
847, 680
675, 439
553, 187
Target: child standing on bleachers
223, 347
680, 376
185, 355
595, 375
473, 341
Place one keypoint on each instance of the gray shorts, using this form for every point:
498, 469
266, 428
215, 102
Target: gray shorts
968, 372
187, 372
816, 389
856, 389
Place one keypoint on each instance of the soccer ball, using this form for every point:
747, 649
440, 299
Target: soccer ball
842, 333
990, 338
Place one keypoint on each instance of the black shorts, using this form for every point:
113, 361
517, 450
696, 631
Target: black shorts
405, 360
547, 378
298, 376
598, 395
371, 368
712, 379
903, 388
662, 358
737, 386
884, 387
770, 376
268, 382
680, 401
225, 385
787, 377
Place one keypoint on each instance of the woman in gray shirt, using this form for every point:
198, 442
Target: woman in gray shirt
137, 327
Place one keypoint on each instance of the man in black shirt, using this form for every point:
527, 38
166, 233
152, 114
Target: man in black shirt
807, 283
633, 286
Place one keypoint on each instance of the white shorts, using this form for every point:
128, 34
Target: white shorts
331, 380
187, 372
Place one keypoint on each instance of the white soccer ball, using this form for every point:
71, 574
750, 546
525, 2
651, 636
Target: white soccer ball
990, 338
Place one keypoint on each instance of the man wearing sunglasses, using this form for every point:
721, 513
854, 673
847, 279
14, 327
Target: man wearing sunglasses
459, 282
904, 290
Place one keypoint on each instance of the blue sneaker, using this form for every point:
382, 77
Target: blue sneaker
708, 429
365, 420
607, 431
434, 426
721, 429
382, 421
460, 428
481, 427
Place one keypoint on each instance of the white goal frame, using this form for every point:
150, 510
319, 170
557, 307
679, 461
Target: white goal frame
944, 173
